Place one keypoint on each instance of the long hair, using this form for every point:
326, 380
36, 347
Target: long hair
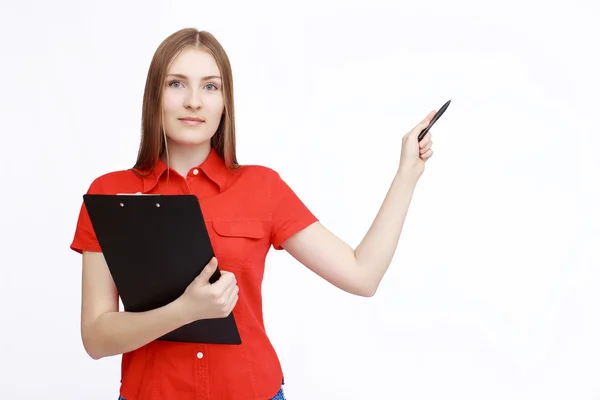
153, 143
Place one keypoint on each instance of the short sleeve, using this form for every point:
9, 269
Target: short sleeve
85, 237
289, 214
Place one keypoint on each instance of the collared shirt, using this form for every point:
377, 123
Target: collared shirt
246, 211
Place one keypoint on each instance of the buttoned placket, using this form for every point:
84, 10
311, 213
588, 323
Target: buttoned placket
201, 381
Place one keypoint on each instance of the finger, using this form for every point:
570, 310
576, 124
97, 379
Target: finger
233, 296
426, 147
427, 155
228, 276
208, 271
229, 299
419, 128
426, 142
225, 282
232, 303
429, 117
424, 150
427, 120
423, 124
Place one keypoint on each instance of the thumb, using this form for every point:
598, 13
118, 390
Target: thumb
423, 124
208, 271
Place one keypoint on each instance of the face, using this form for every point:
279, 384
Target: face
192, 98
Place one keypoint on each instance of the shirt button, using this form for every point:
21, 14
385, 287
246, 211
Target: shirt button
195, 172
199, 355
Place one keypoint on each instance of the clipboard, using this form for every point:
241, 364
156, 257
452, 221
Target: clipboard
155, 245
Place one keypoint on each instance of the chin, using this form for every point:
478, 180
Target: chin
190, 138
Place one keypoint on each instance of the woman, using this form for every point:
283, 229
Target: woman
188, 147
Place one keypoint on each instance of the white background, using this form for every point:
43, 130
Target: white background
493, 290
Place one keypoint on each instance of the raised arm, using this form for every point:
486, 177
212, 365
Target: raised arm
359, 271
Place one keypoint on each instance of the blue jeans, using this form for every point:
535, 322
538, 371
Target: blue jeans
278, 396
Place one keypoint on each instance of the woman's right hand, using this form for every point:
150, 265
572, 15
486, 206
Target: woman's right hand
203, 300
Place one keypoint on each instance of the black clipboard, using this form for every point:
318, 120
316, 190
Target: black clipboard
155, 245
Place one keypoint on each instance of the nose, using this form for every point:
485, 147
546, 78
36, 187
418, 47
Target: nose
193, 99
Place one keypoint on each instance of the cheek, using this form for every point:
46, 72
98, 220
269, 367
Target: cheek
215, 106
171, 101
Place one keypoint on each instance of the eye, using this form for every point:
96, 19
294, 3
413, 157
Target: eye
212, 85
173, 83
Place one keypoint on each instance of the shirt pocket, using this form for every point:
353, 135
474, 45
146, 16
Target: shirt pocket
239, 244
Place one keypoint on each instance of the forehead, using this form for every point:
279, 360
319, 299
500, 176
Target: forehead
194, 63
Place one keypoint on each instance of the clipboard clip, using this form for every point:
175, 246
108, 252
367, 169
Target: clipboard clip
137, 194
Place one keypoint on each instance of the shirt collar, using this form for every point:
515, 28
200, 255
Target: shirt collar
213, 167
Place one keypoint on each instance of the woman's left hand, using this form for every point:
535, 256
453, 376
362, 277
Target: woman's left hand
414, 153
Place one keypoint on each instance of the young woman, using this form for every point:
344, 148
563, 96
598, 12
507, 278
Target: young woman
188, 136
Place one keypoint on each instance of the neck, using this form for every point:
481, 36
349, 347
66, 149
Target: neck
184, 157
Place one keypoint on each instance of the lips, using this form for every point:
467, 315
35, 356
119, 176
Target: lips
191, 121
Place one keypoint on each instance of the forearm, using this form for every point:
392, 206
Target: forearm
375, 252
121, 332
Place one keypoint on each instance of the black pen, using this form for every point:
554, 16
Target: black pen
435, 118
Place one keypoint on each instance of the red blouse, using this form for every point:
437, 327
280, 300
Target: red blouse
246, 212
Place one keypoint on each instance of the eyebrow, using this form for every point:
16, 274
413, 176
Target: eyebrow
204, 78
